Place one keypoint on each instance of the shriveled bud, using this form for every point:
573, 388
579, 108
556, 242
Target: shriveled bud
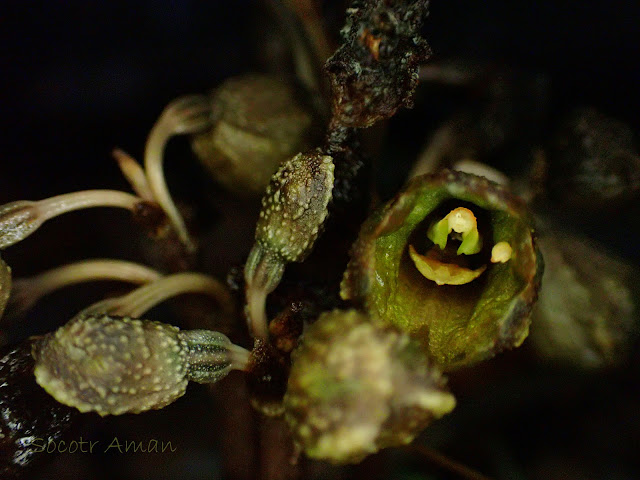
294, 208
121, 365
356, 387
257, 124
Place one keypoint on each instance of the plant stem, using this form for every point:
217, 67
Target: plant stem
447, 463
28, 291
136, 303
20, 219
134, 174
184, 115
68, 202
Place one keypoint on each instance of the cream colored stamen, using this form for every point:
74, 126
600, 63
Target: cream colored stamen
501, 252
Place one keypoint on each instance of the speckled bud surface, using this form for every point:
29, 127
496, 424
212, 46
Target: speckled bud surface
356, 387
112, 365
18, 220
295, 206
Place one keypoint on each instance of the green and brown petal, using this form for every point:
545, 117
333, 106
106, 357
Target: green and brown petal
457, 324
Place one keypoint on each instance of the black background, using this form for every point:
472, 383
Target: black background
80, 78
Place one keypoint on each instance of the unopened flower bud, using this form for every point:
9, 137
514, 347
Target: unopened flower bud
356, 387
257, 124
294, 208
295, 205
121, 365
18, 220
587, 315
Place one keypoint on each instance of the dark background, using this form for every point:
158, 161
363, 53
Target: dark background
80, 78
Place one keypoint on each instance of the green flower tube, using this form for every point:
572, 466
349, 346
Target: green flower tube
469, 296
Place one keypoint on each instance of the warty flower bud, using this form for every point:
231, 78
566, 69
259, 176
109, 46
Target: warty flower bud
294, 208
122, 365
356, 387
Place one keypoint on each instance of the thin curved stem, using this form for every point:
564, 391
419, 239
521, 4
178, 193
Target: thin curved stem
308, 56
263, 271
447, 463
20, 219
240, 357
184, 115
431, 156
313, 25
134, 174
28, 291
68, 202
136, 303
256, 312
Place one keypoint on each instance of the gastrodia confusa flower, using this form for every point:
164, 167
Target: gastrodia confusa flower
452, 261
356, 386
121, 365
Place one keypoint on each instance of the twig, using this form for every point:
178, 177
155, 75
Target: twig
447, 463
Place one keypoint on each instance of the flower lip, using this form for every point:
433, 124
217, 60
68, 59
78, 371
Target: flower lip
457, 256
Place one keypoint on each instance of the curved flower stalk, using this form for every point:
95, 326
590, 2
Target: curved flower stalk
20, 219
139, 301
185, 115
470, 294
28, 291
357, 387
113, 366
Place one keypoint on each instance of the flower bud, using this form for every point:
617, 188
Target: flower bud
587, 312
459, 303
294, 208
18, 220
121, 365
356, 387
258, 123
